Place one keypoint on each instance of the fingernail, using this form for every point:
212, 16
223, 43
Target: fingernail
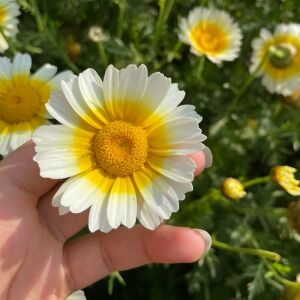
208, 157
206, 238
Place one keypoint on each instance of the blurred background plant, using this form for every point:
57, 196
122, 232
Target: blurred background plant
254, 223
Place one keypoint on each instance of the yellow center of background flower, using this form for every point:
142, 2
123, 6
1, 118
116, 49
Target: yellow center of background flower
209, 37
120, 148
22, 101
2, 14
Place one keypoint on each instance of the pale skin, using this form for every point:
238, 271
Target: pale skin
37, 261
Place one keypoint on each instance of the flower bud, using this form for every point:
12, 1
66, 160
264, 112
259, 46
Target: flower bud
233, 189
73, 50
284, 177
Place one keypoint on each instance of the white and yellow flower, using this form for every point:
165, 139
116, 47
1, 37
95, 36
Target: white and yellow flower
276, 57
22, 99
212, 33
9, 11
124, 144
78, 295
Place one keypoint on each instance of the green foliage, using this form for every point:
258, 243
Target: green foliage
263, 131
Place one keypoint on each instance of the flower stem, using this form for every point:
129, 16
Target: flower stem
122, 6
165, 7
102, 53
43, 28
200, 68
256, 181
249, 251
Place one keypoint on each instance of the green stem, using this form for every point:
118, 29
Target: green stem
262, 211
122, 6
165, 7
256, 181
280, 279
43, 28
245, 86
200, 68
249, 251
102, 53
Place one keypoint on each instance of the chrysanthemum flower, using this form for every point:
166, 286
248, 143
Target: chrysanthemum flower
279, 57
22, 99
124, 143
9, 10
233, 189
212, 33
78, 295
284, 177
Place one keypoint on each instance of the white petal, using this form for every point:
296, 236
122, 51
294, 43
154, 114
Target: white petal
21, 65
59, 107
21, 135
172, 139
5, 137
73, 94
5, 68
90, 85
122, 205
177, 168
55, 82
45, 73
147, 217
57, 155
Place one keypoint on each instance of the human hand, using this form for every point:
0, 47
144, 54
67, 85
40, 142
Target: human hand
38, 262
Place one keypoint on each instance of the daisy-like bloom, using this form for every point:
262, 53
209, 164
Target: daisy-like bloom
233, 189
22, 99
124, 144
278, 58
97, 35
212, 33
9, 11
284, 177
78, 295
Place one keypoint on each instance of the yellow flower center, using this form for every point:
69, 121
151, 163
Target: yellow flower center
22, 101
209, 37
282, 55
2, 14
120, 148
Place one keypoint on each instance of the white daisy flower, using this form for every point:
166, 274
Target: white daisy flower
9, 11
212, 33
22, 99
123, 143
78, 295
279, 57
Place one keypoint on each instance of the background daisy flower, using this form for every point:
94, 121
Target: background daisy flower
212, 33
22, 99
124, 143
9, 10
281, 51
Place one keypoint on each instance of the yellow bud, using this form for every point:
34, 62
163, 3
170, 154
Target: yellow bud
73, 50
233, 189
284, 177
